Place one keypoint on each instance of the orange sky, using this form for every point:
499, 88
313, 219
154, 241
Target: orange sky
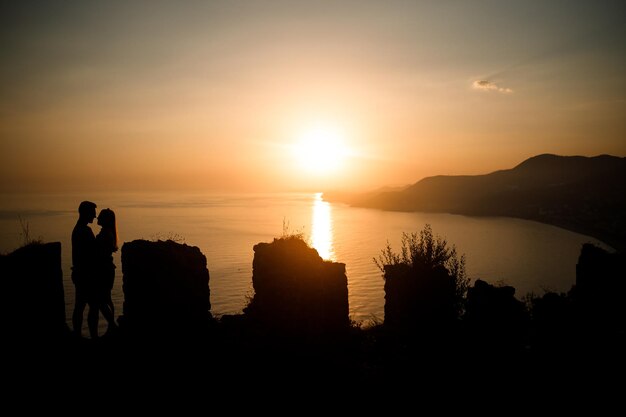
215, 95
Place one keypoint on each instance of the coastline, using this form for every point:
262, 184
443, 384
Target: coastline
612, 242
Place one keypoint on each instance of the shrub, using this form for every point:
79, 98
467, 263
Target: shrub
425, 263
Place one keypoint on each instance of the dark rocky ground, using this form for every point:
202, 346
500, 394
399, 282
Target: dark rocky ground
560, 348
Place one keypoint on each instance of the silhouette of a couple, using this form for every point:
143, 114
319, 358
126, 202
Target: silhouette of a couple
93, 270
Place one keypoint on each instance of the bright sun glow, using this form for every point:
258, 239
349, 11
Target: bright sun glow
320, 150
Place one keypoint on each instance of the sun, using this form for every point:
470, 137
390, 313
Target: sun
320, 150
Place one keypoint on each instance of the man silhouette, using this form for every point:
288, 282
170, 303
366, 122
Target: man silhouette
83, 254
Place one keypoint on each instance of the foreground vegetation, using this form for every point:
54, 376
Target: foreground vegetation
436, 324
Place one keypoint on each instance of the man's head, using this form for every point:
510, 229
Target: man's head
87, 211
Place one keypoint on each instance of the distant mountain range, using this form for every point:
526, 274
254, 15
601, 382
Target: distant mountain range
584, 194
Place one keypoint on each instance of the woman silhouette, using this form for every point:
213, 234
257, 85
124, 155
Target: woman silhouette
106, 244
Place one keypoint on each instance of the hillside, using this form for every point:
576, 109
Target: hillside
584, 194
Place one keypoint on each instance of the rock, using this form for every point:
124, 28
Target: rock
496, 319
418, 297
601, 287
296, 291
33, 301
166, 289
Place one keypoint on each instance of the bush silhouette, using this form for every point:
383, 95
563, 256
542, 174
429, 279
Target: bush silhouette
425, 284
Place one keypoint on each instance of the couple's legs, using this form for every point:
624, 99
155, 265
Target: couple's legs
82, 300
104, 304
92, 320
108, 311
94, 317
77, 316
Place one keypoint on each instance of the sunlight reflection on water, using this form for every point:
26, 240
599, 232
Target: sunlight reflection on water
527, 255
322, 228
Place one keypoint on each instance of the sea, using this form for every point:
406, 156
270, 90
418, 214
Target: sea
533, 257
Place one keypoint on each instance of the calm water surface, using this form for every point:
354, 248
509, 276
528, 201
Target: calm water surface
528, 255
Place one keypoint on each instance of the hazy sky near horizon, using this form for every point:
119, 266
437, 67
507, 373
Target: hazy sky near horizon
191, 95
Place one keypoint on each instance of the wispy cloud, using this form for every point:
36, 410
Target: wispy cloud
484, 85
